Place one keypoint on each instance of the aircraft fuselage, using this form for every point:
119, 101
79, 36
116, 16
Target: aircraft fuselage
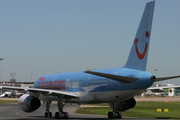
92, 88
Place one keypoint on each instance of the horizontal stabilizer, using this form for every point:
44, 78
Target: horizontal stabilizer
166, 78
122, 79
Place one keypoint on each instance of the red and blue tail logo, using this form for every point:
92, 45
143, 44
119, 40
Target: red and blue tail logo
139, 52
141, 56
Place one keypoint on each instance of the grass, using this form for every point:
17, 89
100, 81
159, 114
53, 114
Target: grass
7, 101
142, 109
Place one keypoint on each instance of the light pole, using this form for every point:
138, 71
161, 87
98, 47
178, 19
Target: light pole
31, 76
1, 72
156, 71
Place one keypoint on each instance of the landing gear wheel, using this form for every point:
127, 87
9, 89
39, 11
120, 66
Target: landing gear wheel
58, 115
119, 115
114, 115
50, 114
46, 114
111, 115
65, 115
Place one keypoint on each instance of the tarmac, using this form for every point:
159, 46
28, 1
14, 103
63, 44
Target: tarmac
11, 111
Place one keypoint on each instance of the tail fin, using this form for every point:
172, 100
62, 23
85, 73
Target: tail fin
139, 51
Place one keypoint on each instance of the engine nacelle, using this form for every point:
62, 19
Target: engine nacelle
28, 103
123, 105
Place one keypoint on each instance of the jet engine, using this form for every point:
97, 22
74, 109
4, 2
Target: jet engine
123, 105
28, 103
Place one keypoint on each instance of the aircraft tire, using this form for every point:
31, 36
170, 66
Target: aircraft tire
50, 114
46, 114
66, 115
113, 115
58, 115
110, 115
119, 115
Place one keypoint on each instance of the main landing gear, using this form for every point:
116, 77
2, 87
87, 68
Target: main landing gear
61, 114
58, 115
47, 113
115, 113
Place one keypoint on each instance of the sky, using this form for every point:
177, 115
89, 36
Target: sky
50, 36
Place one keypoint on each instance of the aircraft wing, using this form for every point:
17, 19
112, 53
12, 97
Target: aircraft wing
122, 79
53, 92
20, 89
42, 91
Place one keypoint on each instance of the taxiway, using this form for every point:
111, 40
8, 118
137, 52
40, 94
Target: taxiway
12, 112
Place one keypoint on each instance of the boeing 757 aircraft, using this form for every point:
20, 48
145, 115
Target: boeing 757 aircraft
116, 86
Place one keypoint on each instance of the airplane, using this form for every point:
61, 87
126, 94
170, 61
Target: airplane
159, 89
6, 94
10, 94
116, 86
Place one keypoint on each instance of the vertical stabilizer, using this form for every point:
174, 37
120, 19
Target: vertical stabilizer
139, 52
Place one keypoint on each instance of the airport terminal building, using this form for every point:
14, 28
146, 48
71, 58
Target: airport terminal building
165, 92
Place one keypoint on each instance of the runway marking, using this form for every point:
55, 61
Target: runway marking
19, 112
